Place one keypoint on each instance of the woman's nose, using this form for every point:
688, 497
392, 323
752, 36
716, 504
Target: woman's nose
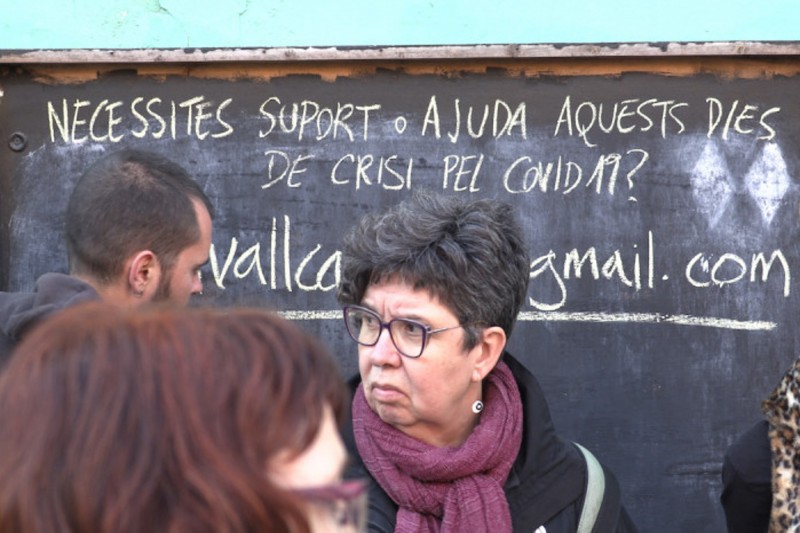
385, 352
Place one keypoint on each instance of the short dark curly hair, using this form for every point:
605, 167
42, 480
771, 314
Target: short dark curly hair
469, 254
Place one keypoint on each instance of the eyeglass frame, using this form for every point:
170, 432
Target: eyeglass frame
351, 492
427, 331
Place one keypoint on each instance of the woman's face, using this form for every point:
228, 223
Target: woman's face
322, 463
319, 469
429, 398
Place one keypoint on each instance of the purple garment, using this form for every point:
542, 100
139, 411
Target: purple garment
447, 489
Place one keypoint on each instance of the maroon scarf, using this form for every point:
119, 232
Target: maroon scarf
447, 489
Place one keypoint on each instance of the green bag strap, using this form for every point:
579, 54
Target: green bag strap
595, 487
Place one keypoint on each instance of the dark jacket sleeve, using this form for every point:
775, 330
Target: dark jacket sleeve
381, 510
747, 481
613, 516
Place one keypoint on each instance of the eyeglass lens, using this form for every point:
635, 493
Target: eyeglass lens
365, 328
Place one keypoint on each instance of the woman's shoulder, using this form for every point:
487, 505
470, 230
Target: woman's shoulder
750, 454
747, 480
551, 478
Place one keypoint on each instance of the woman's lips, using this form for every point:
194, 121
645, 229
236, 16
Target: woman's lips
384, 392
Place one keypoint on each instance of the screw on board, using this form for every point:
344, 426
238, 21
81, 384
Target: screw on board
17, 142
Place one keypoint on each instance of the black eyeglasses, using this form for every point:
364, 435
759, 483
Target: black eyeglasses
408, 336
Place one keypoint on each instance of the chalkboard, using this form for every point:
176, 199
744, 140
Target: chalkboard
660, 208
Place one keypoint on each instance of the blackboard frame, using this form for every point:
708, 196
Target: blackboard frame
403, 53
727, 61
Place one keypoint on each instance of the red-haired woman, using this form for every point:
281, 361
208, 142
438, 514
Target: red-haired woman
172, 420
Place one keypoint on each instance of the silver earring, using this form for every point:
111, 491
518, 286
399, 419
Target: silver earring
477, 407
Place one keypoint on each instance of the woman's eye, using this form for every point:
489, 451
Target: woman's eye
412, 329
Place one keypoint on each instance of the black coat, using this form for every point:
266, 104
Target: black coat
546, 485
747, 481
20, 311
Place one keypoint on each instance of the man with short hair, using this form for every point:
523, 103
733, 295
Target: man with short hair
138, 229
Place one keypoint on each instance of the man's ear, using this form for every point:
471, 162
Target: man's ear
490, 347
143, 274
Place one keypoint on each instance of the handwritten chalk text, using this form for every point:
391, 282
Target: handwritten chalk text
505, 120
309, 119
247, 263
741, 120
83, 120
626, 116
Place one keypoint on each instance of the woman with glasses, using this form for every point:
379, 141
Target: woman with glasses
173, 421
453, 433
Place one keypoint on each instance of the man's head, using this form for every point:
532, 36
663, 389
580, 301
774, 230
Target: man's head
138, 228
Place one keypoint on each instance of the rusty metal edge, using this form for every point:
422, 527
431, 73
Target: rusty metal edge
380, 53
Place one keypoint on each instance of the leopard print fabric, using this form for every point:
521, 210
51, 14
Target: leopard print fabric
782, 410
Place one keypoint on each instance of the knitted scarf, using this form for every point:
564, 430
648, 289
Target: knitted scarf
452, 488
782, 410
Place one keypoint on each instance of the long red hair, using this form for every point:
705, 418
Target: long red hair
164, 420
